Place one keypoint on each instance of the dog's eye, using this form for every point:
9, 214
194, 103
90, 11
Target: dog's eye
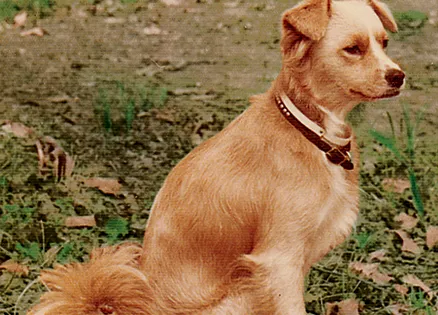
385, 43
353, 50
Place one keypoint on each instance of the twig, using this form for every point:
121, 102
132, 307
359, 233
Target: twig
319, 268
23, 293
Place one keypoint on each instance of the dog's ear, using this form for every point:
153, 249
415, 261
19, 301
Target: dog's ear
309, 18
305, 22
384, 14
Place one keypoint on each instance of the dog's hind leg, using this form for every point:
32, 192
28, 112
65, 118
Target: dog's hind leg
248, 292
284, 280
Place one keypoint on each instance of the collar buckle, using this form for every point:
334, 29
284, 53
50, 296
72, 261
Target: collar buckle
336, 150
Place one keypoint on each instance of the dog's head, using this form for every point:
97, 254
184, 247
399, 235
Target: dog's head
336, 49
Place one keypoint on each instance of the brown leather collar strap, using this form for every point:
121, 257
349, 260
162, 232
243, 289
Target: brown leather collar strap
338, 154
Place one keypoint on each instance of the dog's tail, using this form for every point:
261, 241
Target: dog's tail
110, 283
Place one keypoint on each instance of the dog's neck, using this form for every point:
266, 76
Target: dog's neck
315, 122
303, 98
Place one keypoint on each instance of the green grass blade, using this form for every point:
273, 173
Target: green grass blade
409, 134
418, 201
391, 123
389, 143
129, 114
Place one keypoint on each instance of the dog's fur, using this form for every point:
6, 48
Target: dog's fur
239, 222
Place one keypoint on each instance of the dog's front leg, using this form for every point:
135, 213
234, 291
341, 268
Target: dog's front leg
285, 278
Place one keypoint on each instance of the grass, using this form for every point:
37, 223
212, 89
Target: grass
44, 240
410, 23
32, 214
405, 156
153, 97
118, 111
41, 8
9, 8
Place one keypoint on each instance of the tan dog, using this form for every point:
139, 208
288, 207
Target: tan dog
240, 221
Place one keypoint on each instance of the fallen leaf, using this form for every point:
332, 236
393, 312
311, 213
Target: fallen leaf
50, 255
347, 307
408, 243
106, 185
52, 156
378, 255
15, 267
398, 309
401, 289
17, 129
416, 282
80, 221
370, 271
20, 19
407, 222
36, 31
395, 185
432, 236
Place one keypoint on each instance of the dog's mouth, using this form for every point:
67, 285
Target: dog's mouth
387, 94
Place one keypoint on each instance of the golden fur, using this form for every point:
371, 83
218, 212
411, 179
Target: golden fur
239, 222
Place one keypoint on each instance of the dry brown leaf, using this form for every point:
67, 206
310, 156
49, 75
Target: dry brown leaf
50, 255
401, 289
407, 222
378, 255
106, 185
52, 156
398, 309
36, 31
432, 236
414, 281
370, 271
17, 129
395, 185
15, 267
82, 221
20, 19
347, 307
408, 243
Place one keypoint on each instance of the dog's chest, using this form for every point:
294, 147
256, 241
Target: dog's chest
338, 212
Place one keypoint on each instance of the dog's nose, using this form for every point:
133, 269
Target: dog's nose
395, 78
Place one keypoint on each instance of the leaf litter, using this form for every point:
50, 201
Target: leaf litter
370, 271
51, 156
409, 244
346, 307
406, 221
109, 186
416, 282
432, 236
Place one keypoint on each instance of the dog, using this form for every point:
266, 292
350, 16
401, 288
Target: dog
240, 220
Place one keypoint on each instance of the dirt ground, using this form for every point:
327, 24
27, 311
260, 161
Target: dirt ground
208, 57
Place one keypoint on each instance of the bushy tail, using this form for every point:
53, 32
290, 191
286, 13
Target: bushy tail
110, 283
